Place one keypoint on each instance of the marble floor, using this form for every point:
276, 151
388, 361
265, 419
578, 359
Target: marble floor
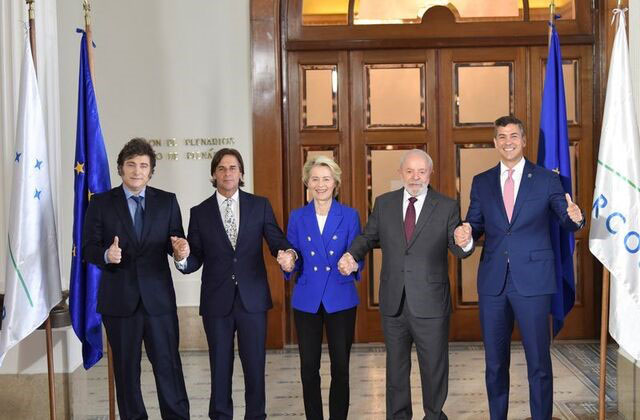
575, 366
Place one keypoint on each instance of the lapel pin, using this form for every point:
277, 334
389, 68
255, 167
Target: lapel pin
529, 176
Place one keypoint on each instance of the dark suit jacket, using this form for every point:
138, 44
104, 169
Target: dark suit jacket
144, 270
224, 266
420, 266
525, 242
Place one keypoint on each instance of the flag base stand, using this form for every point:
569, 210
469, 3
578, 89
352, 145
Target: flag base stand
25, 378
60, 316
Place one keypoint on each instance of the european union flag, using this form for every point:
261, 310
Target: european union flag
553, 153
91, 176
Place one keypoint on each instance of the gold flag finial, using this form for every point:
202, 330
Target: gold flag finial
32, 9
86, 5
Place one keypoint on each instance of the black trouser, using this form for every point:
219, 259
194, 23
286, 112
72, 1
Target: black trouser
251, 328
160, 336
340, 328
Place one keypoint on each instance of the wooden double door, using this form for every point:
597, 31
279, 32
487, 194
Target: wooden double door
366, 107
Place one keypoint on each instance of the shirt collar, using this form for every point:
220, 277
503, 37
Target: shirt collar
518, 167
419, 197
234, 198
128, 194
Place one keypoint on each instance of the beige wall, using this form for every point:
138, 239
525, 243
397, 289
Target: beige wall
163, 70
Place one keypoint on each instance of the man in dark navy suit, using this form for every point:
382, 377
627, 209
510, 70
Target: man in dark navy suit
511, 204
128, 233
225, 236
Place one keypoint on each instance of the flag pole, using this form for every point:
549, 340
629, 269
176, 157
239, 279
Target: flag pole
604, 327
604, 324
86, 5
552, 18
32, 32
48, 333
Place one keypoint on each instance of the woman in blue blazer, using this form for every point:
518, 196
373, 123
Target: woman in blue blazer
321, 232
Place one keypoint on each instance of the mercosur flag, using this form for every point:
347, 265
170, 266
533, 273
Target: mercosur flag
32, 285
614, 237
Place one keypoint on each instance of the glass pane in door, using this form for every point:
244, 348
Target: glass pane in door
483, 92
395, 95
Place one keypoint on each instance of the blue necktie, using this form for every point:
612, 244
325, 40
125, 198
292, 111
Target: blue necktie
138, 217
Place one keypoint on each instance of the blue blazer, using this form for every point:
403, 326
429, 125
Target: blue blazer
525, 242
319, 280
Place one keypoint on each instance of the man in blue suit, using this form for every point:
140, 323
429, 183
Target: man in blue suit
511, 204
225, 236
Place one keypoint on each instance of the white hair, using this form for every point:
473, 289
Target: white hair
417, 152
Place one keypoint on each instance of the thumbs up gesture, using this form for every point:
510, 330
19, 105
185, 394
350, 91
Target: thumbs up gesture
573, 210
181, 248
114, 253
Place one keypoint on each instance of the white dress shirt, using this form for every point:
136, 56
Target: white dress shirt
235, 206
518, 170
418, 204
322, 220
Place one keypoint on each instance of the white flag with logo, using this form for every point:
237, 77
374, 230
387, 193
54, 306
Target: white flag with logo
32, 285
614, 237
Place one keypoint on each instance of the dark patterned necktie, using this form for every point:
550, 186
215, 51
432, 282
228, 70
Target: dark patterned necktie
410, 219
138, 217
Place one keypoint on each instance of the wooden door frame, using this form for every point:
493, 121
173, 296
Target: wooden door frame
269, 176
267, 18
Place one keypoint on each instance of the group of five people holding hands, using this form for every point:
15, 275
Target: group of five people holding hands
130, 230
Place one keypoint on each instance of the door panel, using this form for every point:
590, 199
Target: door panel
366, 108
378, 144
476, 86
318, 123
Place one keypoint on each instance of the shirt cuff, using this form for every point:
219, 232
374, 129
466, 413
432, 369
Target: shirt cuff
181, 265
106, 260
469, 246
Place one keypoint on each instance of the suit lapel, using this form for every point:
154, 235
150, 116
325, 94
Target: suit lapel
496, 189
246, 208
122, 209
428, 207
396, 212
334, 218
526, 183
150, 212
313, 231
218, 226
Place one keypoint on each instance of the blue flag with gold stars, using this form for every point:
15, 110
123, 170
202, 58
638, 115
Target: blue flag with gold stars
553, 153
91, 172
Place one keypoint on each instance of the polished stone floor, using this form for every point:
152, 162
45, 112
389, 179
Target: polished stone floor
575, 367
